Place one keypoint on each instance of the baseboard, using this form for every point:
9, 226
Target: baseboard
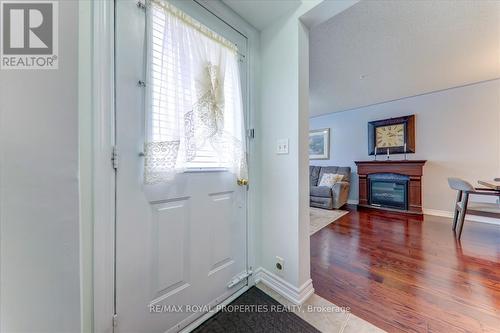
444, 213
293, 294
474, 218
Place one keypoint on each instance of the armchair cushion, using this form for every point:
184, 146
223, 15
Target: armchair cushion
340, 193
329, 179
321, 191
345, 171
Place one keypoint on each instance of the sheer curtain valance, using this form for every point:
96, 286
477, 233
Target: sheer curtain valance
194, 111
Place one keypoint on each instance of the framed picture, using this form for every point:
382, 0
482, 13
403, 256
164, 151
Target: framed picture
395, 134
319, 144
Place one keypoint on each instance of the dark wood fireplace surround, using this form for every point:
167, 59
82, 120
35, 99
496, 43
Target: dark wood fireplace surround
410, 168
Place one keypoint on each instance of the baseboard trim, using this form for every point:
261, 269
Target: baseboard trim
445, 213
293, 294
474, 218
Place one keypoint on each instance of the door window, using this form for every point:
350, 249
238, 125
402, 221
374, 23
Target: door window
194, 116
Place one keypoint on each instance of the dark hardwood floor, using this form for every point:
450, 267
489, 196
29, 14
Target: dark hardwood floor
407, 274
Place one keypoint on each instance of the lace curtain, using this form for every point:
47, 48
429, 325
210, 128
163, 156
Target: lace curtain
194, 98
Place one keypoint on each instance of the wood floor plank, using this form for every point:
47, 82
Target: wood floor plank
406, 273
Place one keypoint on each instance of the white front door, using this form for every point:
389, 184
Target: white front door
177, 244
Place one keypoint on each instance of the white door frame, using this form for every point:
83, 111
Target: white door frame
103, 175
103, 140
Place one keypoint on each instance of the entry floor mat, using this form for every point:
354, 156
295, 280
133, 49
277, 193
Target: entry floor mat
255, 311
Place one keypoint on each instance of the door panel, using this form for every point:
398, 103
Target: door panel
170, 235
220, 210
179, 243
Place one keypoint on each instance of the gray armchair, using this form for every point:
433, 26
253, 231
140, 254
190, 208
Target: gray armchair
329, 197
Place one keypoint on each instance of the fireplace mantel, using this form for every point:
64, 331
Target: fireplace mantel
411, 168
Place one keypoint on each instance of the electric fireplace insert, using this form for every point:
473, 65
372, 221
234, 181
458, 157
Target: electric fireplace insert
388, 190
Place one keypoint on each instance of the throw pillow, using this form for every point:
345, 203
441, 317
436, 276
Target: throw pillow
329, 179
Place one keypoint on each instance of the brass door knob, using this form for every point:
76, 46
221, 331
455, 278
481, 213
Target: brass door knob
242, 181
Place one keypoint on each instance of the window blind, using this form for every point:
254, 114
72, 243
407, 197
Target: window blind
169, 100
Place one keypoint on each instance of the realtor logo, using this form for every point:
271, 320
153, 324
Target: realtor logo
29, 35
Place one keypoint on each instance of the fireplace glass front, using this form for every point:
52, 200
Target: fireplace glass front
388, 190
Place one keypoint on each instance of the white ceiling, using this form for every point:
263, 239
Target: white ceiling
261, 13
377, 51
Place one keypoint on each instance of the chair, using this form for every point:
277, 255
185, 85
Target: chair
328, 197
464, 189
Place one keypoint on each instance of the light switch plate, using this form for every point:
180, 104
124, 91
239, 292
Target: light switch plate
282, 146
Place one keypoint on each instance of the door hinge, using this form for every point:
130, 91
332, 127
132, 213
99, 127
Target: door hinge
251, 133
239, 278
114, 158
115, 320
141, 5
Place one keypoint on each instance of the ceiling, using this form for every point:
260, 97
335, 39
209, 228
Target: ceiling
378, 51
261, 13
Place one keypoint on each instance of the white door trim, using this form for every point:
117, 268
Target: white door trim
103, 175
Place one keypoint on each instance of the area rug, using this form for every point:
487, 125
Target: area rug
255, 311
320, 218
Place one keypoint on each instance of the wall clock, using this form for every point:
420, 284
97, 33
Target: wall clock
392, 134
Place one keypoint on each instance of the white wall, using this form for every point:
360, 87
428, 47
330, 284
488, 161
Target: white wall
284, 115
280, 173
39, 245
457, 132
